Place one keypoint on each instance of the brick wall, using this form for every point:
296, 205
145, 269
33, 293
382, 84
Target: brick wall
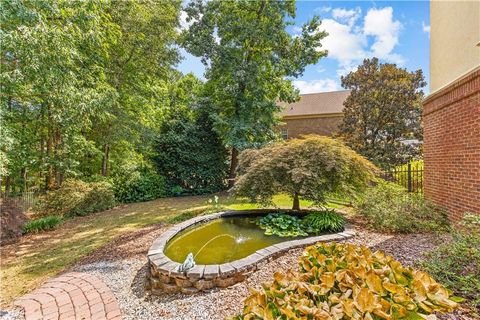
325, 126
452, 146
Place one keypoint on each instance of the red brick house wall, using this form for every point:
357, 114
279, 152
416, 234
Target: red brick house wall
452, 146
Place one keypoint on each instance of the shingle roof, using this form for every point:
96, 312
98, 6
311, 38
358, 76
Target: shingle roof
316, 103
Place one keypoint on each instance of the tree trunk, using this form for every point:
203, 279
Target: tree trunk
233, 167
23, 175
49, 174
296, 202
106, 151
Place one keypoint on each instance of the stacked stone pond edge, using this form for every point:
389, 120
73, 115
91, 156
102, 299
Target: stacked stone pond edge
163, 276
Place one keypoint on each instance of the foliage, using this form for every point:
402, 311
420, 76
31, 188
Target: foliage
84, 85
323, 221
388, 207
457, 262
189, 153
77, 198
42, 224
383, 111
139, 186
250, 58
310, 168
343, 281
285, 225
282, 225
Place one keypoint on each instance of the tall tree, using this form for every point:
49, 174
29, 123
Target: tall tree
249, 57
382, 114
139, 68
52, 80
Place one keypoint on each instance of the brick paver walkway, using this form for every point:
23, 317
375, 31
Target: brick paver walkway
73, 295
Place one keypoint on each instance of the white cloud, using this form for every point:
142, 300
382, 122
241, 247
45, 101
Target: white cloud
425, 28
323, 85
350, 41
344, 44
344, 15
380, 24
324, 9
183, 20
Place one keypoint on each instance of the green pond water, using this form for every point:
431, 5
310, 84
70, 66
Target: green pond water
219, 241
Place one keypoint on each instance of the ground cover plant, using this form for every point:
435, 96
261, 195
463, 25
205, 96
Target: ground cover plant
457, 263
344, 281
285, 225
42, 224
310, 168
388, 207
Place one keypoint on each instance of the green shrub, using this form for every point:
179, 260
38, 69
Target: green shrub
344, 281
282, 225
190, 153
323, 221
388, 207
457, 263
139, 186
42, 224
76, 197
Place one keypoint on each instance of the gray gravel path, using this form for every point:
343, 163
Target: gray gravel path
122, 267
126, 279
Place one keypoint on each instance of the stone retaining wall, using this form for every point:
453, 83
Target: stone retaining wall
163, 277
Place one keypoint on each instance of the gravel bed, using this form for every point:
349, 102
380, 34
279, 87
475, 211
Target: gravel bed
126, 279
122, 266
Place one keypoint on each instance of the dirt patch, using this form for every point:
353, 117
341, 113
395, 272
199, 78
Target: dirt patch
130, 245
12, 220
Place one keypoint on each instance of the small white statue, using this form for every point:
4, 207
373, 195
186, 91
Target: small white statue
188, 264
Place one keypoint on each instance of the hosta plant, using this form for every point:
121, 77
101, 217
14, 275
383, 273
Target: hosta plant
344, 281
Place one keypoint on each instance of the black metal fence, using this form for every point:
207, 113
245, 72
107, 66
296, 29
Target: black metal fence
24, 201
410, 176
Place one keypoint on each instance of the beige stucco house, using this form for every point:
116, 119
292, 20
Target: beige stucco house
451, 112
315, 113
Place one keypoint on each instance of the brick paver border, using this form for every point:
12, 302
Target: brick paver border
73, 295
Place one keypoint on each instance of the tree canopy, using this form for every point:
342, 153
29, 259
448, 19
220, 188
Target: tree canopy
383, 113
250, 58
84, 85
310, 168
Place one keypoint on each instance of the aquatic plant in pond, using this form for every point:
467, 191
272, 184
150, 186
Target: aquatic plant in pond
282, 225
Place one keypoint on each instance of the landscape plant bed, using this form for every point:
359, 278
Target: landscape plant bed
165, 277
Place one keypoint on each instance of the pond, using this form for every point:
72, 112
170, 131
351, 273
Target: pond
221, 240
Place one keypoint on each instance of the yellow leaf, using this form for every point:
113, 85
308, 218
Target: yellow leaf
374, 282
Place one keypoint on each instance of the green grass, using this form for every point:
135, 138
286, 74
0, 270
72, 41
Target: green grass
37, 257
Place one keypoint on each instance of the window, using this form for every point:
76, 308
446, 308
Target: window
284, 134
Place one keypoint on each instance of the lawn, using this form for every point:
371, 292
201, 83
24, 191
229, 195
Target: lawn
37, 257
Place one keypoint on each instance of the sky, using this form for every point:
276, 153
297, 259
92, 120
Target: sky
393, 31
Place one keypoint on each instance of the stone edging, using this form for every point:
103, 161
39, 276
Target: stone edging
163, 277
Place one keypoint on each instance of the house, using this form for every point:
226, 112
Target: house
315, 113
451, 113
